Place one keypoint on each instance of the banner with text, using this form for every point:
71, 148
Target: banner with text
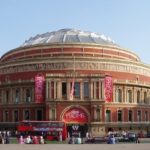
75, 115
108, 89
39, 88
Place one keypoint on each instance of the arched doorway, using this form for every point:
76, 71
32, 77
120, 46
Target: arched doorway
77, 120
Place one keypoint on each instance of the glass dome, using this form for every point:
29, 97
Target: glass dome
69, 36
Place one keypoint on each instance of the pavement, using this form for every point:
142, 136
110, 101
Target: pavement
132, 146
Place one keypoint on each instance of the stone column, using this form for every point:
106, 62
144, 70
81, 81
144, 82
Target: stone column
55, 113
91, 90
94, 89
121, 95
124, 94
59, 90
134, 95
103, 89
55, 89
114, 93
49, 91
100, 90
142, 96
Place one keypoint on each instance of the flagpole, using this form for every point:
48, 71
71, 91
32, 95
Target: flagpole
72, 87
74, 66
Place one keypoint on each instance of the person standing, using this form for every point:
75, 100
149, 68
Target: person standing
42, 140
21, 140
60, 136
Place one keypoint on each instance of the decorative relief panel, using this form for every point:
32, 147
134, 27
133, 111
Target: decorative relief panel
78, 65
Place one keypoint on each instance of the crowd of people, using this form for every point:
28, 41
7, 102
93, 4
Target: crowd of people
31, 140
75, 140
4, 137
111, 139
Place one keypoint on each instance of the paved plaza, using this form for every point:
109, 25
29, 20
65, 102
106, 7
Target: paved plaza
76, 147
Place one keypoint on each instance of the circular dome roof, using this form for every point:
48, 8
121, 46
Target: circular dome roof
69, 36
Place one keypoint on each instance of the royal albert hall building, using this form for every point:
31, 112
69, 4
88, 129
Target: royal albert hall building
82, 78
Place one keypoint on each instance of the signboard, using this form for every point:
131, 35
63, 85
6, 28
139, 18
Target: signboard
39, 88
75, 115
108, 89
47, 129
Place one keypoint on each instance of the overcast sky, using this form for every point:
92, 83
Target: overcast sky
127, 22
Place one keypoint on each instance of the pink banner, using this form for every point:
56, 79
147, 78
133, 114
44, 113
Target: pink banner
39, 88
75, 115
108, 89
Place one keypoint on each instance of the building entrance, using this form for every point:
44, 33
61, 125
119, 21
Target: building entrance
76, 119
77, 130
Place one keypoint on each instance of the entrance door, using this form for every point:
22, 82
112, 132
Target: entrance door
77, 121
77, 130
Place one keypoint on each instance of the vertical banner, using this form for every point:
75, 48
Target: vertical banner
72, 90
39, 88
108, 89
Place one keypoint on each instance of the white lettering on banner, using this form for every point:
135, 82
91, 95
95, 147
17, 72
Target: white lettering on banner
39, 88
75, 114
108, 89
47, 129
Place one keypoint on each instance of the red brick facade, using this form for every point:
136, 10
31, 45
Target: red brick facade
88, 64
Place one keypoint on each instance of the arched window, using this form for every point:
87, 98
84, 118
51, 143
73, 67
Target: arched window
138, 96
28, 95
77, 90
6, 115
139, 116
16, 115
17, 95
98, 114
26, 115
7, 96
86, 90
53, 114
120, 115
146, 116
108, 116
130, 115
64, 89
119, 95
129, 96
